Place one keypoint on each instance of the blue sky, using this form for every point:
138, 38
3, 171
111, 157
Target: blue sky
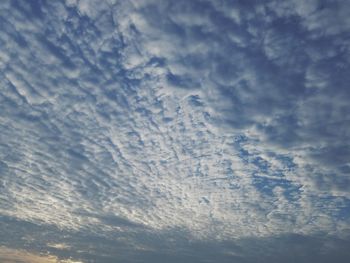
174, 131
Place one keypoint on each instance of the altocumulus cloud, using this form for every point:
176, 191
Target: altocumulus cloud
177, 131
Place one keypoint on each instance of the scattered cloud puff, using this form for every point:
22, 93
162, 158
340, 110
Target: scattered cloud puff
210, 125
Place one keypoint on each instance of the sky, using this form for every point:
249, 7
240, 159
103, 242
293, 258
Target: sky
174, 131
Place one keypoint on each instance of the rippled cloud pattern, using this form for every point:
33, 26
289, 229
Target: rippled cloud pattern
174, 131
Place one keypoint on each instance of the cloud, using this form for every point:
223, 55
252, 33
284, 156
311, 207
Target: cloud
8, 255
137, 122
171, 245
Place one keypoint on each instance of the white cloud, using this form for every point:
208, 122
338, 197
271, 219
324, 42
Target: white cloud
223, 120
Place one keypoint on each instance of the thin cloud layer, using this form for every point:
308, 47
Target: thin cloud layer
185, 130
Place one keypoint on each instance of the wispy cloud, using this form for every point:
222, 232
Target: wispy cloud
8, 255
